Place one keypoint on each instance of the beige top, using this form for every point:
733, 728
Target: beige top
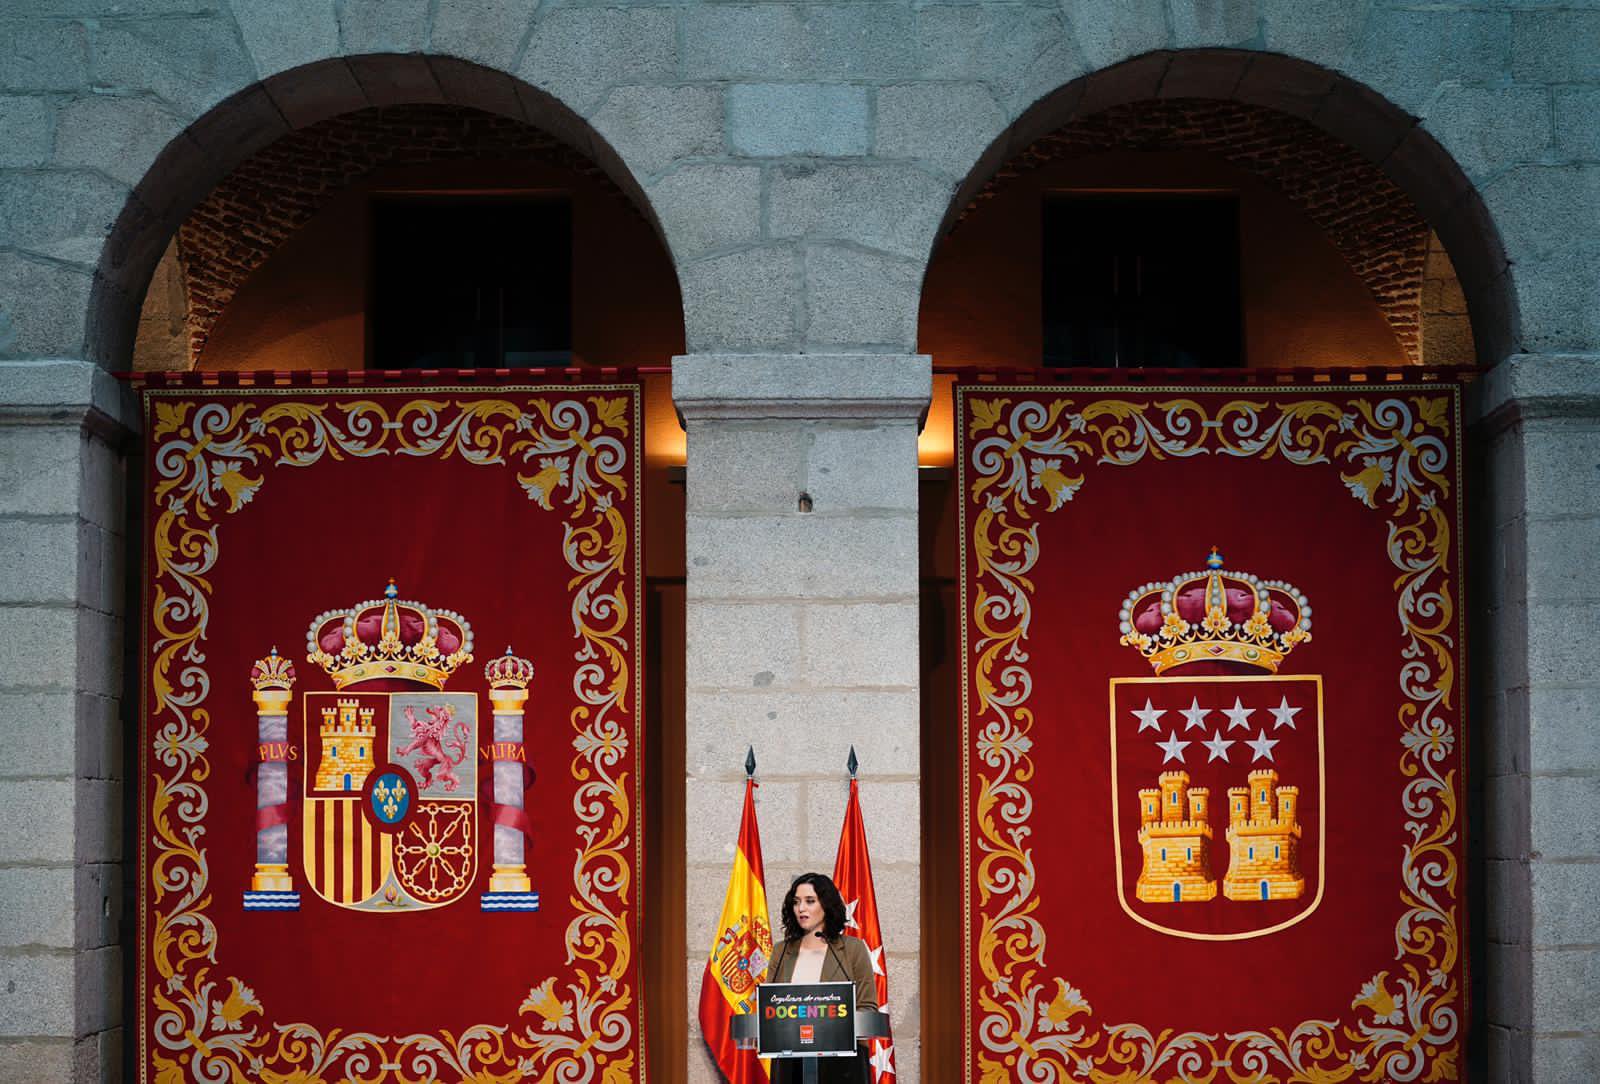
808, 966
846, 960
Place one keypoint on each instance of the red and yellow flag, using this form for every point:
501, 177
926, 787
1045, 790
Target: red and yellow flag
852, 873
739, 954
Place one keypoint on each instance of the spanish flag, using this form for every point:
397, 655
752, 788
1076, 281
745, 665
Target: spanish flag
739, 955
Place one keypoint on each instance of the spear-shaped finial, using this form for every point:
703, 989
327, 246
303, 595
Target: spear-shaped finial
750, 763
852, 763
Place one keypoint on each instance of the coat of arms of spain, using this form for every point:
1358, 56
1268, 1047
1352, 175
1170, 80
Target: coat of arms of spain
1217, 720
389, 812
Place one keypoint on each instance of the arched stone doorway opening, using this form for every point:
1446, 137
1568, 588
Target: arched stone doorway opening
271, 269
1372, 129
193, 163
260, 254
1361, 242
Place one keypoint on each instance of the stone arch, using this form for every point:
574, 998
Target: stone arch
1382, 133
279, 191
198, 158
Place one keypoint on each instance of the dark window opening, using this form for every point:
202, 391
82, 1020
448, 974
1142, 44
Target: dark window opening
471, 282
1135, 280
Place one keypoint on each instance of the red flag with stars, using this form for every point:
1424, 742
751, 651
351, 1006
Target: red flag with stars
852, 873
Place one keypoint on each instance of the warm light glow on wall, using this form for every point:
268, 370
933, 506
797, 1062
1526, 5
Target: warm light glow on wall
936, 446
664, 438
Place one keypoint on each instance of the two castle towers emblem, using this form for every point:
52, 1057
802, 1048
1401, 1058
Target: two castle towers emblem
1263, 837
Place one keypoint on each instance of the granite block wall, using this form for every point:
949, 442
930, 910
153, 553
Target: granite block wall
800, 161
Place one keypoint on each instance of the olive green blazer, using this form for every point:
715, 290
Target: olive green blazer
847, 961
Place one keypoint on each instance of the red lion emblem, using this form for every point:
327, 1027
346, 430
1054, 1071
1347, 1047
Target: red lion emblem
434, 739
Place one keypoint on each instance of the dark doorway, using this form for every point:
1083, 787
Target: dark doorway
471, 282
1134, 279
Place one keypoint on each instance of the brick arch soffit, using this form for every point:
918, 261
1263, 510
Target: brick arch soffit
1247, 108
270, 195
236, 145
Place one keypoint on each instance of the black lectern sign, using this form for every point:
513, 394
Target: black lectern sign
806, 1020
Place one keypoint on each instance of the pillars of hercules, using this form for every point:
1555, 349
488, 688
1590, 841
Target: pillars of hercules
271, 887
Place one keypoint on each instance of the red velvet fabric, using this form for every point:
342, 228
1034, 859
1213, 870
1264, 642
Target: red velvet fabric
517, 508
1074, 502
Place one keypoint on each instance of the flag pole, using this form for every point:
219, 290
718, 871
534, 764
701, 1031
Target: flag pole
740, 950
852, 873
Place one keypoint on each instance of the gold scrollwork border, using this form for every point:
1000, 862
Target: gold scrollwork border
575, 450
1026, 450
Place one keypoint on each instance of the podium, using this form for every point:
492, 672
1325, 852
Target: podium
746, 1029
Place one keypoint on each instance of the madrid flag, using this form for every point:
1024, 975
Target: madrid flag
739, 954
852, 873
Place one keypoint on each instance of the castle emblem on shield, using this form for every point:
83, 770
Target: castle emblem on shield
1217, 720
390, 814
390, 810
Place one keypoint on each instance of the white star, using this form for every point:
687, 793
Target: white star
1283, 714
883, 1061
1238, 715
850, 913
876, 956
1262, 746
1217, 747
1172, 748
1195, 714
1148, 715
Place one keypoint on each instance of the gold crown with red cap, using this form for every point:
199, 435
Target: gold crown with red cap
508, 671
272, 672
1213, 615
391, 638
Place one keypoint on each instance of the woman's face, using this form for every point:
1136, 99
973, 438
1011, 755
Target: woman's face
807, 908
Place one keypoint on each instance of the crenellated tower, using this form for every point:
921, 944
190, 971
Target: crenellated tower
348, 733
1263, 840
1176, 841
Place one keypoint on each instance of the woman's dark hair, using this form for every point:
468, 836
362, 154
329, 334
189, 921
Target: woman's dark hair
833, 913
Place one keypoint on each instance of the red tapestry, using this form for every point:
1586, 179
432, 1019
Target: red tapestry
390, 735
1212, 733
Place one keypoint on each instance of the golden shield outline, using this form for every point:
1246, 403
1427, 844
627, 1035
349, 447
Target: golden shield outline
1322, 801
346, 859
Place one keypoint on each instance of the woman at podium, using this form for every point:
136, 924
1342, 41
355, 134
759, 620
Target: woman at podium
816, 949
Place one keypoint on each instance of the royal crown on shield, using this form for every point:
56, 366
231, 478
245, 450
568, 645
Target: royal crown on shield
1215, 615
389, 638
